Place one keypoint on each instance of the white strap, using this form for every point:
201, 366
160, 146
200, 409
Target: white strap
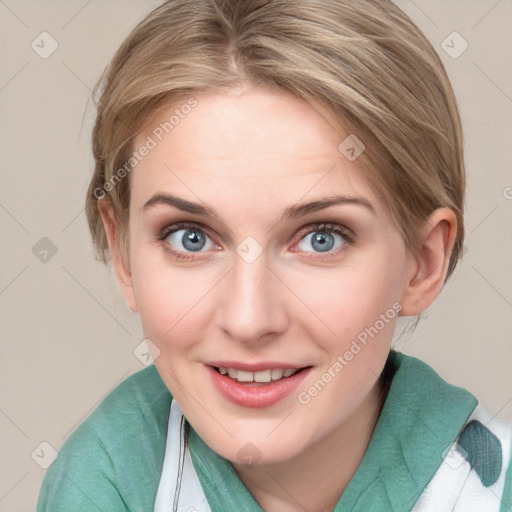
179, 489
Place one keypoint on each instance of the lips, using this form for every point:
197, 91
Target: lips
255, 386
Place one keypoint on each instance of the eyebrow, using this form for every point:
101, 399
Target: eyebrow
299, 210
291, 212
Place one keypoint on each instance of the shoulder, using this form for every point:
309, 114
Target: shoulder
485, 444
113, 460
465, 451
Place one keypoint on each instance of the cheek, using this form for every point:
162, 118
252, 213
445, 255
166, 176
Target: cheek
352, 297
171, 301
360, 304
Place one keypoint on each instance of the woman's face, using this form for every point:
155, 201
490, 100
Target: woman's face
257, 246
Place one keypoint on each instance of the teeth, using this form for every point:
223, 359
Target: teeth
243, 376
261, 376
277, 373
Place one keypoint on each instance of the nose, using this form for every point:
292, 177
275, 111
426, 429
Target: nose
252, 305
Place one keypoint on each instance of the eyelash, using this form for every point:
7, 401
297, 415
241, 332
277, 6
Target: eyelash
176, 227
328, 227
311, 228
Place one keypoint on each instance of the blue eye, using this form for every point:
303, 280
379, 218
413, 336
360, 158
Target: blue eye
190, 239
183, 240
323, 240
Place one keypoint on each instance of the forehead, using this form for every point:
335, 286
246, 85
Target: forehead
253, 141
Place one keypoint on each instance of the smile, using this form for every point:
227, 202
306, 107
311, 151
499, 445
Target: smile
263, 376
259, 388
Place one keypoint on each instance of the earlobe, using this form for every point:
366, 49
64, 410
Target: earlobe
427, 269
121, 267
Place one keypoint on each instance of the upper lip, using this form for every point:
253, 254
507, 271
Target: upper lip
254, 367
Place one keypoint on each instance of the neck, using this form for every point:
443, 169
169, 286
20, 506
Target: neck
315, 479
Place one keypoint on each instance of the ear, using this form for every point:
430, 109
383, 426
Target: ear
123, 274
427, 269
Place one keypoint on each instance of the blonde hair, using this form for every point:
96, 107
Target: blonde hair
363, 61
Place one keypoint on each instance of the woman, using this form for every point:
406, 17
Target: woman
277, 182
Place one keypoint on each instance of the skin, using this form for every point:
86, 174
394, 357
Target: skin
248, 155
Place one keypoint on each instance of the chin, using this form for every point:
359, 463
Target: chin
259, 452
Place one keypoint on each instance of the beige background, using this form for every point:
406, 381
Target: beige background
67, 335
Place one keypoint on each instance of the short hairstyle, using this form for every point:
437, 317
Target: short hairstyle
364, 62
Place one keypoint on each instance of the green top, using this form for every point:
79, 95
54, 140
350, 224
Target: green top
113, 460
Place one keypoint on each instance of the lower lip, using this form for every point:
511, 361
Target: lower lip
259, 395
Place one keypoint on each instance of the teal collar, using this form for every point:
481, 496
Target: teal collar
421, 417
